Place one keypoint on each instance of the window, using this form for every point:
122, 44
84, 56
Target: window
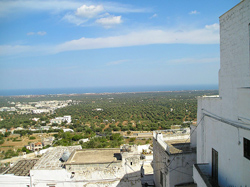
246, 148
161, 178
215, 165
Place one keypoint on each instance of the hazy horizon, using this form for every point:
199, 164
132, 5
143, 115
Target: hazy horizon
56, 44
113, 89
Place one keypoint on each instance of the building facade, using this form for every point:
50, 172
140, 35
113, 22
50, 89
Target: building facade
173, 157
223, 121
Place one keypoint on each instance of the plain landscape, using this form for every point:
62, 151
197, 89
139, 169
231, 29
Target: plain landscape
106, 119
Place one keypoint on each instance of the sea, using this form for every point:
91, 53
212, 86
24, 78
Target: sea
117, 89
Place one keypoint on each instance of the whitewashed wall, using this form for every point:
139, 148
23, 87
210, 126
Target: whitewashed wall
14, 181
234, 102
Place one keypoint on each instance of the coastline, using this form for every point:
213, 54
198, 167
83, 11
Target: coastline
103, 90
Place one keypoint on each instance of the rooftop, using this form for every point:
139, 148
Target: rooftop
22, 167
179, 146
51, 159
174, 141
92, 156
3, 169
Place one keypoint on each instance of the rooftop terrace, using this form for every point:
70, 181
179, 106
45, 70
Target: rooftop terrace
93, 156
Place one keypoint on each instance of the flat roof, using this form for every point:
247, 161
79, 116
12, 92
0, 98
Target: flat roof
93, 156
51, 159
179, 146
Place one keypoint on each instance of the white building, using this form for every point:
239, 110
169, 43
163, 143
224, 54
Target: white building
223, 124
3, 130
45, 128
59, 120
67, 119
9, 109
73, 166
48, 140
35, 119
84, 140
68, 130
35, 146
174, 157
39, 111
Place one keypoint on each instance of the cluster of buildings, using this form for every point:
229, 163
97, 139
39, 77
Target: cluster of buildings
7, 109
37, 107
213, 152
58, 120
73, 166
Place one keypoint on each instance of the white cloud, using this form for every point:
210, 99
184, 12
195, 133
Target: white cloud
123, 8
73, 19
89, 11
194, 60
144, 37
214, 27
116, 62
83, 14
207, 35
41, 33
109, 21
154, 16
71, 11
13, 49
194, 12
30, 33
56, 6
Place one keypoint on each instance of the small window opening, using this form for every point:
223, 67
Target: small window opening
161, 178
246, 148
131, 163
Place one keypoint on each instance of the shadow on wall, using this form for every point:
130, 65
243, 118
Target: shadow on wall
131, 180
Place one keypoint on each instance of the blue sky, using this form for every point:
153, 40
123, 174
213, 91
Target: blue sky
71, 43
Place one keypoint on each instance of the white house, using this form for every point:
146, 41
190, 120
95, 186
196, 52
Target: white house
68, 130
35, 146
84, 140
174, 157
223, 124
67, 119
59, 120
